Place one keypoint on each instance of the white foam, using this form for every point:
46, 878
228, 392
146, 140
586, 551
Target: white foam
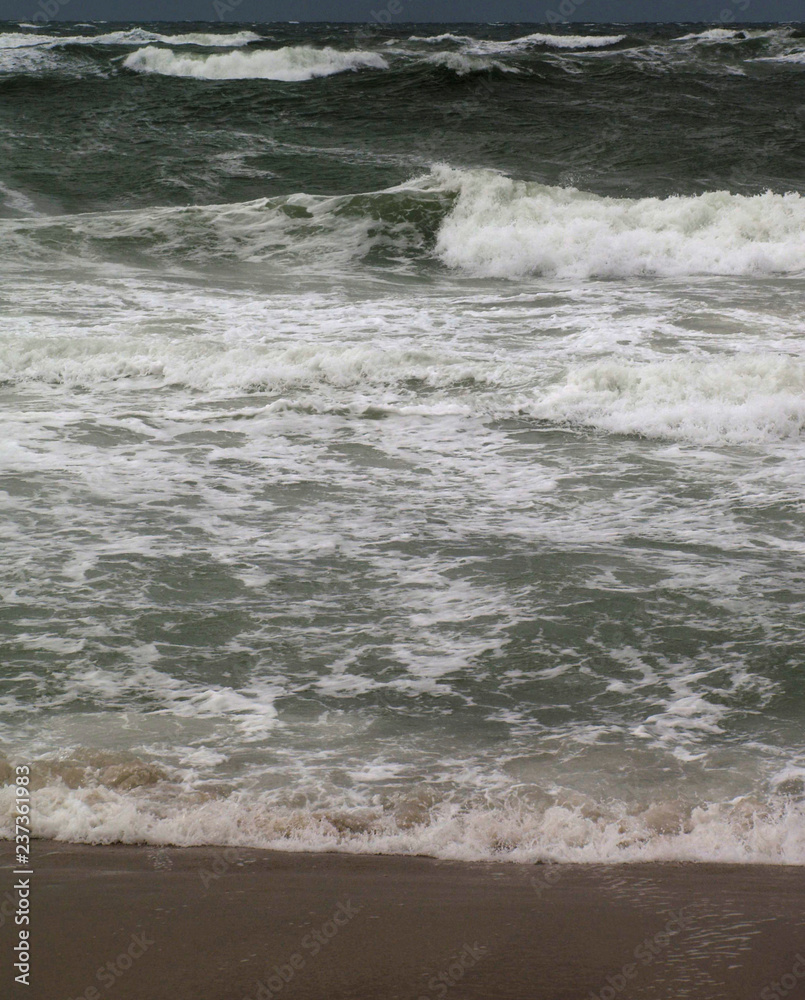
129, 803
27, 60
246, 713
569, 41
790, 57
16, 201
280, 367
505, 228
711, 35
16, 39
462, 64
497, 228
741, 400
749, 398
132, 36
550, 41
292, 64
734, 34
446, 36
138, 36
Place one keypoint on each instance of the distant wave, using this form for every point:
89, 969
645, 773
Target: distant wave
39, 62
789, 57
247, 56
446, 36
564, 41
462, 63
712, 35
550, 41
734, 34
291, 64
133, 36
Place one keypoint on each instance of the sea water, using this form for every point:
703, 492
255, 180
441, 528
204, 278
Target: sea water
402, 437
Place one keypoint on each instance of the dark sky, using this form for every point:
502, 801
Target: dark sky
397, 11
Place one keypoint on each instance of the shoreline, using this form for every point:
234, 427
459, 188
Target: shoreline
504, 860
148, 923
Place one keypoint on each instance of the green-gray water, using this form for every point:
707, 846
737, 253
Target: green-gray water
402, 436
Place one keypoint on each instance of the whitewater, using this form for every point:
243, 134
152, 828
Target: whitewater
399, 453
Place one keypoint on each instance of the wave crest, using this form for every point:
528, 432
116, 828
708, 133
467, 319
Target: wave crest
132, 803
476, 221
293, 64
737, 401
537, 38
503, 228
132, 36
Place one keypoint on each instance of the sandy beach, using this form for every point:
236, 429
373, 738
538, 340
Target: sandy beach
141, 923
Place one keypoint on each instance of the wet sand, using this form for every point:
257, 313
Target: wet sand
138, 923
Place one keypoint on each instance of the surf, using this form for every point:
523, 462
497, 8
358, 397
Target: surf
292, 64
479, 222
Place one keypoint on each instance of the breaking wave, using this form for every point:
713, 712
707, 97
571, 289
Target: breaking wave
741, 400
478, 222
790, 57
504, 228
536, 39
292, 64
126, 800
463, 64
748, 399
713, 51
734, 34
132, 36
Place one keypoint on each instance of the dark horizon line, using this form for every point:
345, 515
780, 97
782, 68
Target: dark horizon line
552, 24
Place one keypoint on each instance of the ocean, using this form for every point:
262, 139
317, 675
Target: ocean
402, 437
